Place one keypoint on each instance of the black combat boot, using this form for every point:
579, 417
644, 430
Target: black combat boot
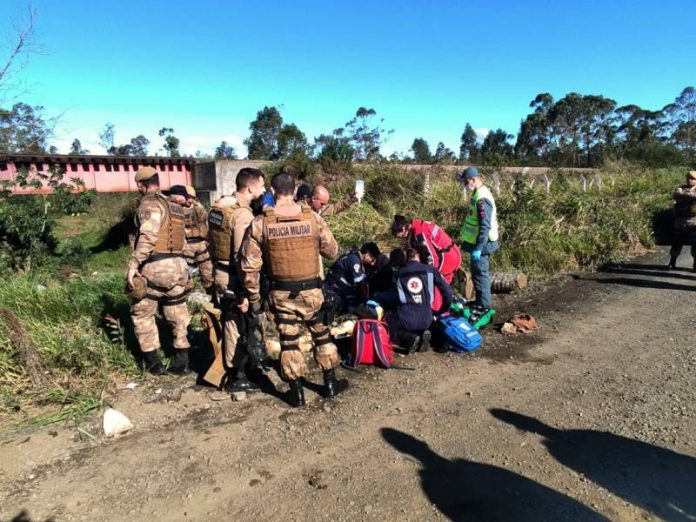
239, 382
153, 364
673, 263
180, 365
332, 385
408, 341
424, 344
296, 394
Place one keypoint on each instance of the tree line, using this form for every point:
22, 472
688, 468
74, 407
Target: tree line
574, 131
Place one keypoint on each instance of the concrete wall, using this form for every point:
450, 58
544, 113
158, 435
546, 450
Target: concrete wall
99, 173
225, 174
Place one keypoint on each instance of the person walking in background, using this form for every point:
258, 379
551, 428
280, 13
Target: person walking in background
684, 220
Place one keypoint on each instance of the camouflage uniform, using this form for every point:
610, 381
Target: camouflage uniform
235, 222
684, 222
292, 307
196, 251
336, 208
166, 272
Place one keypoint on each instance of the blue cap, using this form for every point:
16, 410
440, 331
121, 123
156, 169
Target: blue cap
469, 172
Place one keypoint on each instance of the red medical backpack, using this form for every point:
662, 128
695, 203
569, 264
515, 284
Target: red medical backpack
371, 344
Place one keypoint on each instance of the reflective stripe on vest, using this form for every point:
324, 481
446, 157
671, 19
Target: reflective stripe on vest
414, 290
470, 229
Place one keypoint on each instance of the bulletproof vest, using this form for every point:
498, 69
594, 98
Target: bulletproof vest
171, 238
415, 287
291, 245
220, 228
195, 229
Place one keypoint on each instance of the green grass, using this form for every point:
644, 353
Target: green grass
75, 311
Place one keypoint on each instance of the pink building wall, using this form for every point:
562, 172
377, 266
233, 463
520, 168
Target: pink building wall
100, 173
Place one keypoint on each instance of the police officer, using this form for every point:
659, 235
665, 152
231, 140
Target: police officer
157, 274
228, 220
684, 220
320, 202
286, 241
196, 220
479, 233
411, 303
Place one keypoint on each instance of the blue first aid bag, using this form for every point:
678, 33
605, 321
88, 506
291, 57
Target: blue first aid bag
458, 334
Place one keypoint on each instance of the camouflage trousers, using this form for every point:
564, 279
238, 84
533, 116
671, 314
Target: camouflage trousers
230, 330
196, 254
168, 284
289, 313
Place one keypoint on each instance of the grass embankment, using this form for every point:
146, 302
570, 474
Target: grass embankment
72, 316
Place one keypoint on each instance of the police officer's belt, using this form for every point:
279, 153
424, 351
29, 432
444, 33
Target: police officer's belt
159, 257
295, 286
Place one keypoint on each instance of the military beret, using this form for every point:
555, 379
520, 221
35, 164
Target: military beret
191, 191
145, 173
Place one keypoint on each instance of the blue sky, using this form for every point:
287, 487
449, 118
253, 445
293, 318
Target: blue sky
427, 67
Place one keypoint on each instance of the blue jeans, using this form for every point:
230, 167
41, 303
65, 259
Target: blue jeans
480, 273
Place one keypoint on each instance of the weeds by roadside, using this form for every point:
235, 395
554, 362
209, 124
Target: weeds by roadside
74, 312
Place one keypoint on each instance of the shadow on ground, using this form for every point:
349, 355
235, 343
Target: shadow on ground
466, 490
656, 479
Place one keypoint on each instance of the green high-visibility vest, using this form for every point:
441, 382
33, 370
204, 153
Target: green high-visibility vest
469, 232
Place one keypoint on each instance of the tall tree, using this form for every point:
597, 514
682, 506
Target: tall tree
106, 138
682, 121
496, 147
76, 148
171, 142
225, 151
469, 143
421, 151
365, 134
22, 45
262, 143
334, 151
291, 141
24, 129
139, 145
444, 154
535, 139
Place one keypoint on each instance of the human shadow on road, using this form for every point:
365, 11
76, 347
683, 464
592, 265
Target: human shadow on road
466, 490
645, 283
661, 273
656, 479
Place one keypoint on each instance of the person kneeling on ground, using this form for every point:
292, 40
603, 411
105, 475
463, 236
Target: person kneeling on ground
347, 279
412, 315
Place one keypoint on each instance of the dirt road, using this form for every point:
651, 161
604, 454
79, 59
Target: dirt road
590, 418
